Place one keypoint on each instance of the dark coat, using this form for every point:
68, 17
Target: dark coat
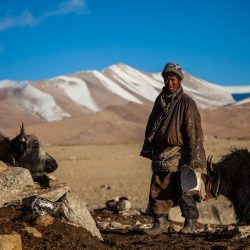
179, 125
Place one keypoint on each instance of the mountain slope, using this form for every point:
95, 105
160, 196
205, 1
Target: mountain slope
112, 106
93, 91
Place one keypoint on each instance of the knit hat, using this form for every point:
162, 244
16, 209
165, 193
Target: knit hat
173, 67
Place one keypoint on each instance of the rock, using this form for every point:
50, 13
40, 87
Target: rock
111, 205
18, 188
175, 227
118, 204
33, 231
45, 220
69, 223
124, 227
3, 167
132, 212
138, 223
115, 224
107, 187
230, 228
41, 206
145, 226
123, 204
218, 211
10, 242
209, 229
118, 225
243, 231
53, 193
175, 215
76, 211
17, 183
13, 184
103, 224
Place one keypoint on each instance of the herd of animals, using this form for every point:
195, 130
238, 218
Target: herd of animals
229, 177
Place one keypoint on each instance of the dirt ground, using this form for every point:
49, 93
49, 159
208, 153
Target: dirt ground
62, 235
97, 173
134, 238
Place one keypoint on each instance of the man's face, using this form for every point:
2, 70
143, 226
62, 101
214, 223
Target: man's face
172, 83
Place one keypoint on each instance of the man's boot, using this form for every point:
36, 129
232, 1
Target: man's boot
160, 226
190, 226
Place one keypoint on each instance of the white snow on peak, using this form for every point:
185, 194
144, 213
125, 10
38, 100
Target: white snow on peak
205, 93
157, 77
114, 87
76, 89
30, 99
238, 89
139, 75
122, 80
134, 80
41, 104
9, 84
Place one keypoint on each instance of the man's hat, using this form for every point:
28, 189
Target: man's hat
173, 67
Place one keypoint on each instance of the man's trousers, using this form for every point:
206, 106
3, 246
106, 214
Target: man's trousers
165, 192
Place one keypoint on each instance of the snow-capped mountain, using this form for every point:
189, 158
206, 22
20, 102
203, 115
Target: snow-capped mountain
23, 95
93, 91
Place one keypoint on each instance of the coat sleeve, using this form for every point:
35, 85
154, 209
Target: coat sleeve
194, 135
147, 148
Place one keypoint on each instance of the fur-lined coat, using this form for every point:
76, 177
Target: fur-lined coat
174, 125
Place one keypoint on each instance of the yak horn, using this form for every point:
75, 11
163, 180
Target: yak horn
210, 163
21, 131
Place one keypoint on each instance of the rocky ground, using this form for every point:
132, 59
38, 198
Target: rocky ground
132, 237
119, 232
98, 173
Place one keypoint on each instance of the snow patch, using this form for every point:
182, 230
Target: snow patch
133, 80
238, 89
30, 99
115, 88
77, 90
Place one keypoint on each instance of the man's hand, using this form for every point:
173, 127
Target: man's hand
147, 154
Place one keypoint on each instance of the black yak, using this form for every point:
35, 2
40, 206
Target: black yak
25, 151
231, 178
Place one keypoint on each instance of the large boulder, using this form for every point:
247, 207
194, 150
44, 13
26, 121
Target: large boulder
16, 184
75, 210
18, 188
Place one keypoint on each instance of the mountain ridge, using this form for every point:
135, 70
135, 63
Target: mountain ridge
111, 106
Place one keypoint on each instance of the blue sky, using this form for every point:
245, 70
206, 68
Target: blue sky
42, 39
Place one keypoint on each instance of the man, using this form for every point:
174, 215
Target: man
174, 143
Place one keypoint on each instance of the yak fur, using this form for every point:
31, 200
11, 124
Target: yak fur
25, 151
231, 178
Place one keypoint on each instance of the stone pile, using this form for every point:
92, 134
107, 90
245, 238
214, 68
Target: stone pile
18, 189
